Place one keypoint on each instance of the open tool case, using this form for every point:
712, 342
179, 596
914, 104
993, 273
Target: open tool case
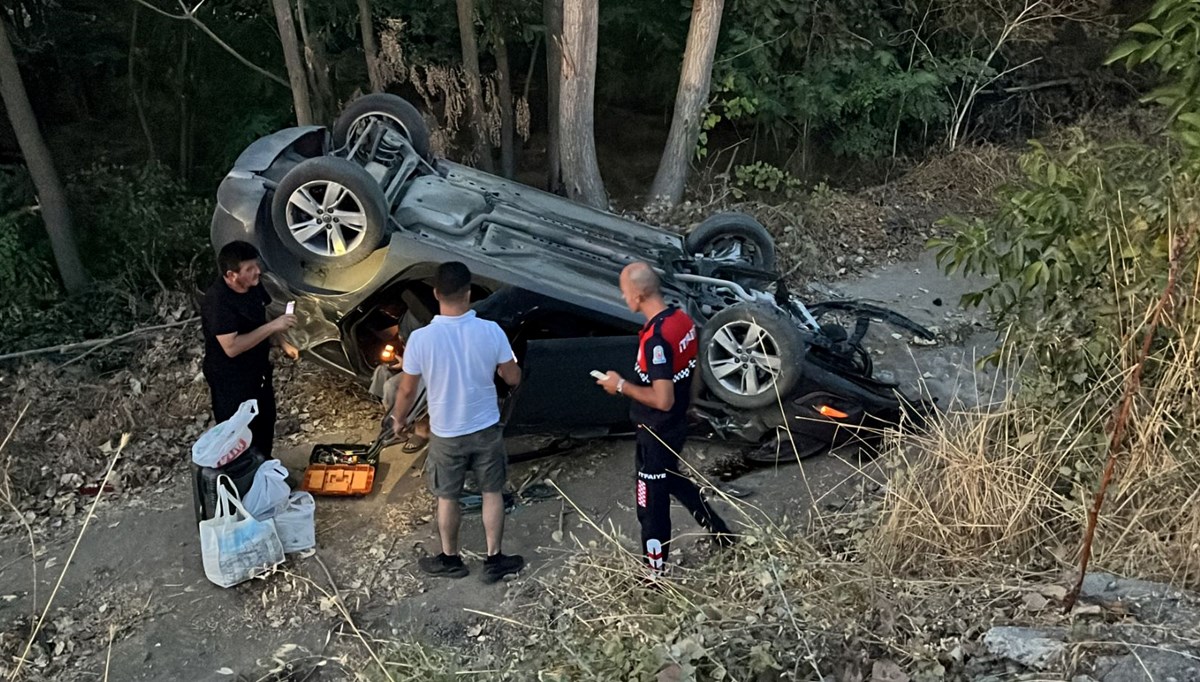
342, 468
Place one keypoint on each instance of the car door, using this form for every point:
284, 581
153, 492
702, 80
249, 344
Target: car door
558, 394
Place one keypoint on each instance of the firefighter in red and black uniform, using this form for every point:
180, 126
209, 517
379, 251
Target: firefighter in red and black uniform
659, 390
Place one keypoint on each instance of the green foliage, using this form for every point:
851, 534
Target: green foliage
138, 230
25, 272
1083, 212
846, 73
1171, 41
1081, 246
763, 177
139, 225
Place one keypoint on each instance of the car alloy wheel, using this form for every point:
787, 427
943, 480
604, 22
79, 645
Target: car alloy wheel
326, 218
744, 358
394, 125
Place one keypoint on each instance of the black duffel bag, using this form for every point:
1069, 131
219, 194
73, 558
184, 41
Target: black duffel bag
240, 472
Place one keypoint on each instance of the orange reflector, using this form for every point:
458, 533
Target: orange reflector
827, 411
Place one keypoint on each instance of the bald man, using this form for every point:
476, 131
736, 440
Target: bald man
659, 392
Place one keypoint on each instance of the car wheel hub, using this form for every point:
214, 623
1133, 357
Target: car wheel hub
393, 124
744, 358
326, 218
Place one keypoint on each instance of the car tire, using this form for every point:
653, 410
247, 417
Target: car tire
723, 232
317, 232
396, 110
750, 355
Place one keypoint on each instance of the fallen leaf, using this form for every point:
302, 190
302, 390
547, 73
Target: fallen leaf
224, 671
1035, 602
671, 673
887, 671
1055, 592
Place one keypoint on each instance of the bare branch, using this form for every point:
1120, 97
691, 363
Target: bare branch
189, 15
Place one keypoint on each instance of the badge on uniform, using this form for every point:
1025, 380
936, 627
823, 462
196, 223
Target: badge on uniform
660, 358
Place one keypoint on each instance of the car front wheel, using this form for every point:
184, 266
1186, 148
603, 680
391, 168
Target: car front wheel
329, 211
750, 355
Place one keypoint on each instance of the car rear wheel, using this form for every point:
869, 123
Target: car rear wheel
329, 211
736, 238
750, 355
397, 114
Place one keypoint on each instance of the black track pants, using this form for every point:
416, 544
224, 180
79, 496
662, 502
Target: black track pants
658, 478
229, 394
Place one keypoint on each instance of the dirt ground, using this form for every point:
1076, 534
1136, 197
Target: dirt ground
134, 604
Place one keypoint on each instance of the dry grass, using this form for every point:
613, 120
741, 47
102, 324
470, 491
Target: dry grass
1009, 485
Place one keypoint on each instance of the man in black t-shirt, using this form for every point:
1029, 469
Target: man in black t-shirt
238, 339
659, 393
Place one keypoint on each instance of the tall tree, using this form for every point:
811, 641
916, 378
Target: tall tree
576, 108
470, 59
552, 17
319, 86
370, 48
694, 80
297, 76
507, 153
51, 198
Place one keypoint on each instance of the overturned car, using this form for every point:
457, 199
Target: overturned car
352, 220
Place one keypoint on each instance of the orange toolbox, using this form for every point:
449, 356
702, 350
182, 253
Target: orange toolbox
342, 469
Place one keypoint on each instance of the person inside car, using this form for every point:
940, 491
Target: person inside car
387, 375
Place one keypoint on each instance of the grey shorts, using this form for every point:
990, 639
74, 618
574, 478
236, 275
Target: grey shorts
449, 459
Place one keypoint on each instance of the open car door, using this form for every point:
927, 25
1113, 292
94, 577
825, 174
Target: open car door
556, 392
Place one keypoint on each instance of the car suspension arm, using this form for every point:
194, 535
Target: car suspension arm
869, 310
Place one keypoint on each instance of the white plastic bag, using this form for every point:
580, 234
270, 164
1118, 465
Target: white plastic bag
234, 545
222, 443
269, 491
294, 523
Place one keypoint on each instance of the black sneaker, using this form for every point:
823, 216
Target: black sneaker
443, 566
499, 565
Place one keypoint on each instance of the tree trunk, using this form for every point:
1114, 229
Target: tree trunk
552, 17
370, 48
577, 139
470, 58
507, 157
133, 86
318, 68
51, 198
184, 110
690, 99
295, 64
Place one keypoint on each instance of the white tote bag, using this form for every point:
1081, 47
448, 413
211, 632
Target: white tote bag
269, 491
295, 524
235, 546
222, 443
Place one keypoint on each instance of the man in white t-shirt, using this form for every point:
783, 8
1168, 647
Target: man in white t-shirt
458, 355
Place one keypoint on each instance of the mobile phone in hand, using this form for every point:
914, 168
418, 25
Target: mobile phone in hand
290, 309
598, 374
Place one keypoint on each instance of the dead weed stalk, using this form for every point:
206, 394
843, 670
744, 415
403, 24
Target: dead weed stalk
1013, 487
67, 564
